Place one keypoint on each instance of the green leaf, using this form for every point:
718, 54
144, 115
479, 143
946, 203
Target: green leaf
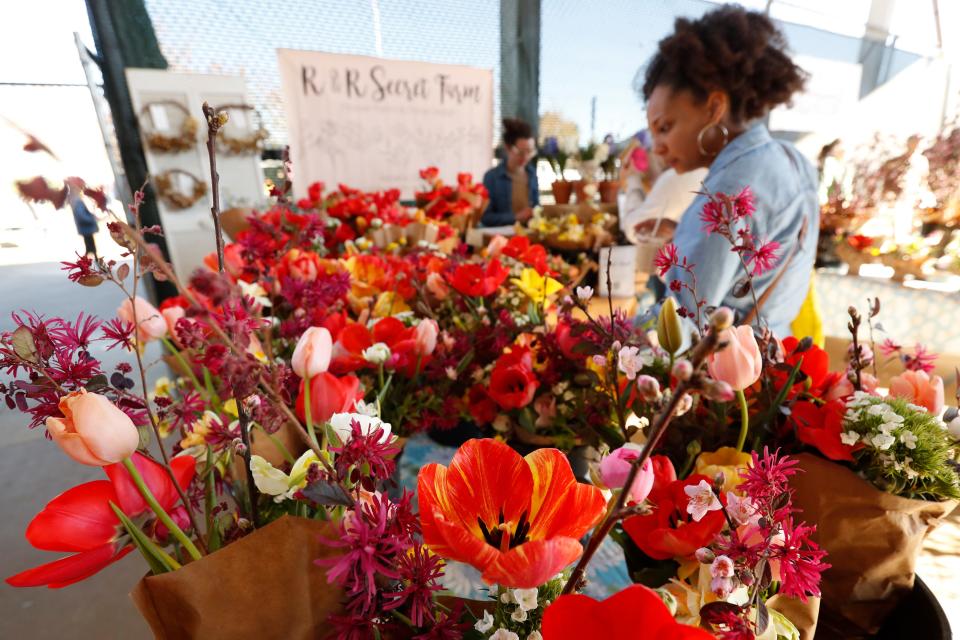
151, 553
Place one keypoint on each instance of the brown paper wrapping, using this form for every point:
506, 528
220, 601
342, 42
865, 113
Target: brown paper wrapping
873, 539
803, 615
235, 220
265, 585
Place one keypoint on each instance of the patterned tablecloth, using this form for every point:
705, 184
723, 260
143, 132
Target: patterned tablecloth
606, 574
908, 314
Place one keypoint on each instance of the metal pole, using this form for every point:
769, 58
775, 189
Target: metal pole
102, 109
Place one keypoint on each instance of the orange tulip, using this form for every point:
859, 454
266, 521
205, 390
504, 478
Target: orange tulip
93, 430
311, 357
518, 520
738, 363
919, 388
150, 324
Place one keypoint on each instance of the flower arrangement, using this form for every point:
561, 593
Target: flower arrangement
305, 356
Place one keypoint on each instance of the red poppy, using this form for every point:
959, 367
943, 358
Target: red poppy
634, 612
477, 281
429, 174
482, 408
534, 255
663, 474
512, 381
567, 341
518, 520
80, 520
815, 365
315, 191
821, 427
329, 395
669, 531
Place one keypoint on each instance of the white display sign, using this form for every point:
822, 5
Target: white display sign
373, 124
623, 271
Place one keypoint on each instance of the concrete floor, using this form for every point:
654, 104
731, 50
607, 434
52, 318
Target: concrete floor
33, 471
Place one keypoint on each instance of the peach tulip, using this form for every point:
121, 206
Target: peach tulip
93, 430
170, 316
311, 357
151, 325
919, 388
426, 336
738, 363
437, 287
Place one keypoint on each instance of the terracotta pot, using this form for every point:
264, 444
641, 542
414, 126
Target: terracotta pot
608, 191
562, 190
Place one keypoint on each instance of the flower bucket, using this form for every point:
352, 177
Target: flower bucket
562, 190
873, 539
265, 585
234, 220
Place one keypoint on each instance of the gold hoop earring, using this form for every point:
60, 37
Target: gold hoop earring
726, 138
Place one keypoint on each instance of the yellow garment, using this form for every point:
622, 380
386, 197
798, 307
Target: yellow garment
809, 322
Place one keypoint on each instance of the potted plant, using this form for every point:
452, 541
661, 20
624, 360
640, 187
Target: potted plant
557, 156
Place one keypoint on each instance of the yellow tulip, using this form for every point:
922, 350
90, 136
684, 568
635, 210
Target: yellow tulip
537, 287
725, 460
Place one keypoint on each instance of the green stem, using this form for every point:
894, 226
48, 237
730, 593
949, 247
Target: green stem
183, 364
157, 509
308, 416
744, 420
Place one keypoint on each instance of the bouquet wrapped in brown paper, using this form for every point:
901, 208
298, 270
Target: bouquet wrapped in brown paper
265, 585
873, 539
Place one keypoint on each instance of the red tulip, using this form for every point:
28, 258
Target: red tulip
81, 521
481, 407
669, 531
329, 395
634, 612
512, 381
518, 520
821, 427
477, 281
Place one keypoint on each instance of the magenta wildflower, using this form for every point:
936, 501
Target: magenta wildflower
921, 360
447, 625
765, 257
119, 333
713, 216
768, 476
801, 560
888, 347
419, 572
666, 258
366, 450
743, 206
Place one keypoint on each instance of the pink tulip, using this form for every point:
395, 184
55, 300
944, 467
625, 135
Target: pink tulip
151, 325
311, 357
93, 430
495, 246
170, 316
738, 364
426, 336
919, 388
616, 466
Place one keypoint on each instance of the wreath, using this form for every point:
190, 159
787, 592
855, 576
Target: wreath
183, 141
251, 143
174, 199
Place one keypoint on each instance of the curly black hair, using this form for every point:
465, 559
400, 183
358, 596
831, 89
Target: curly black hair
729, 49
515, 129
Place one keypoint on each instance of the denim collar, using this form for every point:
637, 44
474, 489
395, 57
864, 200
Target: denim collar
500, 171
755, 136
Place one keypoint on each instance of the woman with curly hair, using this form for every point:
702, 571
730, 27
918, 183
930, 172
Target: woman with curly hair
708, 89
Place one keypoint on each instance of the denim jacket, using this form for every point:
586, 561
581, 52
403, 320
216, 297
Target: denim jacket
500, 186
784, 186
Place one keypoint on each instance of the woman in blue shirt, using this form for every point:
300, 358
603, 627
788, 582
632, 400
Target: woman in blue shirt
513, 184
708, 88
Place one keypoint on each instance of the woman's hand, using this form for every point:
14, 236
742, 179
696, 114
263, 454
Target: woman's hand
665, 230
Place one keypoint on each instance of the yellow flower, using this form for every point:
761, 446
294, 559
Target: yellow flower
389, 303
537, 287
725, 460
230, 407
278, 484
197, 432
162, 387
